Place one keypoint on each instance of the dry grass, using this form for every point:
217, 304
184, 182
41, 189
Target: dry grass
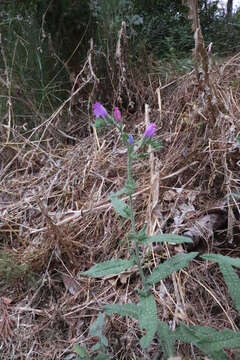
57, 220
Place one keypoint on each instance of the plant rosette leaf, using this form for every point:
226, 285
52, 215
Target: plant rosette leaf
110, 267
165, 269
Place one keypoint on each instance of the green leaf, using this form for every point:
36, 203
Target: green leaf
140, 236
145, 312
142, 155
236, 196
166, 339
96, 329
233, 283
208, 340
165, 269
224, 339
120, 207
111, 267
99, 123
222, 259
123, 310
96, 347
156, 144
169, 238
130, 186
81, 351
148, 319
231, 278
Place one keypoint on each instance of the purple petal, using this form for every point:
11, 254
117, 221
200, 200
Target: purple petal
99, 110
130, 139
117, 114
150, 130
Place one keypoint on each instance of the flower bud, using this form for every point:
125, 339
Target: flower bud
117, 114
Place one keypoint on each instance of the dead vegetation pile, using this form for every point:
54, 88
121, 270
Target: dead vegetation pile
57, 220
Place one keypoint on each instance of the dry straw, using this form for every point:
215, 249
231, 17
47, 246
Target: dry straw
55, 217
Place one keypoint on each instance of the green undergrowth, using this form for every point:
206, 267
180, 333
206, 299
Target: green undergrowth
34, 80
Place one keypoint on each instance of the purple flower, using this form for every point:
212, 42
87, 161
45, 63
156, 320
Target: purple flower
99, 110
150, 130
130, 139
117, 114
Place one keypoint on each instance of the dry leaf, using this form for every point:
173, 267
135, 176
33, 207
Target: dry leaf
70, 284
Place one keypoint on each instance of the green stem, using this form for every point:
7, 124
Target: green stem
136, 248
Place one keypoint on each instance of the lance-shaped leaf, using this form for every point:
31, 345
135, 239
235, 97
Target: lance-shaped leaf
111, 267
222, 259
81, 351
208, 340
145, 312
169, 238
148, 319
165, 269
166, 339
236, 196
97, 328
130, 310
233, 283
120, 207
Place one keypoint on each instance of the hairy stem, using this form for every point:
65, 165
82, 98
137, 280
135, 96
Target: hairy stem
136, 247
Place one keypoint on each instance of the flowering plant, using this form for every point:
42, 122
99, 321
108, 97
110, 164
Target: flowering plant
146, 310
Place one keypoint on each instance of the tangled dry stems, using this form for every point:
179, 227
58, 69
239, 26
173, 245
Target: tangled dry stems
57, 219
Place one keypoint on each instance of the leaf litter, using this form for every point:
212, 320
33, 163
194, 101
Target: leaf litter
56, 218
